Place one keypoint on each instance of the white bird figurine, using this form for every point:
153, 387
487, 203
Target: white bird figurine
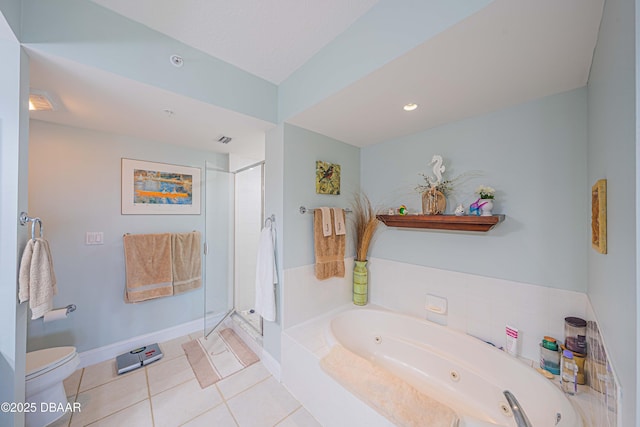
459, 210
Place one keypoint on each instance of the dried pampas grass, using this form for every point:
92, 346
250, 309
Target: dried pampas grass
365, 224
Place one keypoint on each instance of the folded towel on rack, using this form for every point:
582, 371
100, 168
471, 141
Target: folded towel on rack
187, 262
326, 221
266, 276
329, 250
338, 217
37, 280
148, 266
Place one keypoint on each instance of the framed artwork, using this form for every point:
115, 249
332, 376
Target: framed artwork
159, 188
327, 178
599, 216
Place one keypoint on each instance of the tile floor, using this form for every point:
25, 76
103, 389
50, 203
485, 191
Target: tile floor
166, 393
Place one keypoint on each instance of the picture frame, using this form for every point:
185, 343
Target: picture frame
599, 216
149, 188
327, 178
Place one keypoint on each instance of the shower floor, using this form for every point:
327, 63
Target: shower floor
251, 320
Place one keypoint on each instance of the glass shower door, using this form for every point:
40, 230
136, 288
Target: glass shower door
219, 240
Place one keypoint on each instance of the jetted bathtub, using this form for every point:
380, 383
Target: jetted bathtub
456, 369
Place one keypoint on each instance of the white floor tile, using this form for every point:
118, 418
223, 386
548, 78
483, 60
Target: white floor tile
111, 397
300, 418
242, 380
182, 403
164, 376
218, 417
72, 383
61, 422
138, 415
98, 374
263, 405
172, 349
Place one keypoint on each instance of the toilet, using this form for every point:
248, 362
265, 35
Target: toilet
45, 372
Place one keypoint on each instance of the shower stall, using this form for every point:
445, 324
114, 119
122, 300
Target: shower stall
234, 219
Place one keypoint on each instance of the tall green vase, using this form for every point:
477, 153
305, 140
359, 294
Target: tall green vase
360, 283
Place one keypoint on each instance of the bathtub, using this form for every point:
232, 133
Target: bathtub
456, 369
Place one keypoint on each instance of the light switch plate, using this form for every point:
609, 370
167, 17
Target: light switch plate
94, 238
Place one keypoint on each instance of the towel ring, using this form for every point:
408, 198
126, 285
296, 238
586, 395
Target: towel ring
33, 228
25, 218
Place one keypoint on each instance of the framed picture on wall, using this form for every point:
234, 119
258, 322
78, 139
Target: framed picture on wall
599, 216
327, 178
159, 188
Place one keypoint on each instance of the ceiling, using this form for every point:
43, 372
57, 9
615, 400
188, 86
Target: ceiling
505, 54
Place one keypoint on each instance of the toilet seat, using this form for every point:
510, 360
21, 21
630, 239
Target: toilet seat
42, 361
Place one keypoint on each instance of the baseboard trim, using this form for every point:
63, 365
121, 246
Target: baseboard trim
100, 354
271, 364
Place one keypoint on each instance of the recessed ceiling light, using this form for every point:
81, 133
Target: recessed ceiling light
40, 101
410, 107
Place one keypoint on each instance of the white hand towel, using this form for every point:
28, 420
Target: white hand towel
37, 280
326, 222
338, 218
266, 277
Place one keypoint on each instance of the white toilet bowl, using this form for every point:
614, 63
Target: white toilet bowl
46, 370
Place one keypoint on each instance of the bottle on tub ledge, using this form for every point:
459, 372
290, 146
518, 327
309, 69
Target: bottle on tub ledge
511, 341
569, 375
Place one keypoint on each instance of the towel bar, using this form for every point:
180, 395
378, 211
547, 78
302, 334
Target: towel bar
305, 210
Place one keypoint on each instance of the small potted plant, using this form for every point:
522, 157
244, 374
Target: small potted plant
485, 203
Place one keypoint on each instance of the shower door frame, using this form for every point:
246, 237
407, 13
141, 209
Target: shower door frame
232, 246
230, 249
260, 164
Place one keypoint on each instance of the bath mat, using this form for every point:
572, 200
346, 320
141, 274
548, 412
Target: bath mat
398, 401
221, 354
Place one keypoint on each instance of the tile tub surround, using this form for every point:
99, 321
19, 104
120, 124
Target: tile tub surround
305, 297
166, 393
479, 306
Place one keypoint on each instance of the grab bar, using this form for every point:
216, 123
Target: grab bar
518, 412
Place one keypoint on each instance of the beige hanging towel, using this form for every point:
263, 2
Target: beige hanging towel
37, 279
148, 266
329, 250
187, 262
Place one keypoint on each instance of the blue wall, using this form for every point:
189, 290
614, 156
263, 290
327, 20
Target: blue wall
613, 283
301, 150
534, 154
74, 186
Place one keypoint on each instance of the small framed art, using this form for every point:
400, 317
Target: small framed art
599, 216
327, 178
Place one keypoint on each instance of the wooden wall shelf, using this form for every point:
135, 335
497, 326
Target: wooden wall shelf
443, 222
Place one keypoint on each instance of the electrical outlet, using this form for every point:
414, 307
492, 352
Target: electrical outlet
94, 238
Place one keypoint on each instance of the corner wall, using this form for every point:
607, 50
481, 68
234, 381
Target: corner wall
14, 85
74, 186
612, 153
